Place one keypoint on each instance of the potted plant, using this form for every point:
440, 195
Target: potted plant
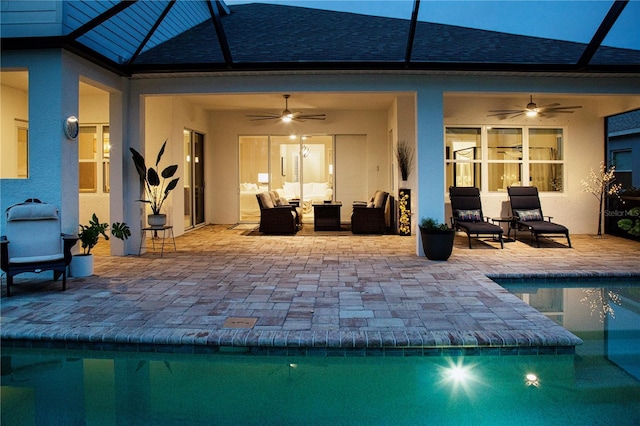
89, 236
437, 239
156, 190
405, 156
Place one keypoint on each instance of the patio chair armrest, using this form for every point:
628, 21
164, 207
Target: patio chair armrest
4, 252
68, 241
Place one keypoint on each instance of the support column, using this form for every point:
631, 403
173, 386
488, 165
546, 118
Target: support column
430, 155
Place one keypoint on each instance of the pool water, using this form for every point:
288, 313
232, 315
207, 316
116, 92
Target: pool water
599, 385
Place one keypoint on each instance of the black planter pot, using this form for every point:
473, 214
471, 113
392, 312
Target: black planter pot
437, 244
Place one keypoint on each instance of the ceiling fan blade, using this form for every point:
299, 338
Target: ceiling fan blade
312, 116
548, 106
566, 107
264, 118
509, 112
506, 111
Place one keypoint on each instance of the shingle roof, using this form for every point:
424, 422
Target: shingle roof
270, 34
166, 36
623, 122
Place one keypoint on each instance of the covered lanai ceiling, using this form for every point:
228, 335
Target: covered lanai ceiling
169, 36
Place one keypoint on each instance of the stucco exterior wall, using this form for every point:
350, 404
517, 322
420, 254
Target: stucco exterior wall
53, 95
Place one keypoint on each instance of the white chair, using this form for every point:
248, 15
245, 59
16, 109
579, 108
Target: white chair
34, 243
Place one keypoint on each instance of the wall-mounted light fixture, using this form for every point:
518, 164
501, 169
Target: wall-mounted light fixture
71, 127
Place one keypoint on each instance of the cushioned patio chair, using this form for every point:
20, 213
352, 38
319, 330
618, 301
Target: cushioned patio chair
525, 206
467, 214
369, 217
34, 243
277, 216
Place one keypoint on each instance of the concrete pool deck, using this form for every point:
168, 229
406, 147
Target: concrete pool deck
325, 293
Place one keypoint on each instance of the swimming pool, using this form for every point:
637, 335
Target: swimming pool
598, 385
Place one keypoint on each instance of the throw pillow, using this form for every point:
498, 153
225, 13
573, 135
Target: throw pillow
469, 215
265, 200
32, 211
529, 215
282, 202
379, 199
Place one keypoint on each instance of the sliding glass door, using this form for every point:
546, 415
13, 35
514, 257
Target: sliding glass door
299, 168
193, 178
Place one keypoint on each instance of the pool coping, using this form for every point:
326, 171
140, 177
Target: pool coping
555, 340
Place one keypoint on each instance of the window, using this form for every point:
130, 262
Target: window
87, 156
546, 170
464, 155
494, 158
91, 158
505, 158
14, 130
106, 152
622, 160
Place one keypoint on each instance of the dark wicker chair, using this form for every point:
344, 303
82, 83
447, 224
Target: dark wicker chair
526, 208
369, 218
467, 214
34, 243
277, 219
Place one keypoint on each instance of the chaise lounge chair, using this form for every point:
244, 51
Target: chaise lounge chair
33, 242
467, 214
525, 205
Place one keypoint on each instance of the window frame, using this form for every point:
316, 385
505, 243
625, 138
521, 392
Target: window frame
525, 162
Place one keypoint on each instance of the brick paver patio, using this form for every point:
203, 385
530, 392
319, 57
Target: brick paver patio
320, 293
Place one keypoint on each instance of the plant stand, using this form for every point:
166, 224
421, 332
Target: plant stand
155, 236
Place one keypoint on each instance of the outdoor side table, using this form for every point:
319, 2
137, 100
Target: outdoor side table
326, 216
511, 224
167, 232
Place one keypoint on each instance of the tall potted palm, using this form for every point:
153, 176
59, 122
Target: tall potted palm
156, 189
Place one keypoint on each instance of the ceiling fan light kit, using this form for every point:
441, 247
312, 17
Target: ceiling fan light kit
533, 110
286, 116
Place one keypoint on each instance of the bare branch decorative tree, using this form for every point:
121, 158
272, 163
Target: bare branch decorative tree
601, 184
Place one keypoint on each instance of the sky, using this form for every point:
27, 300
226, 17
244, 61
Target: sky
575, 20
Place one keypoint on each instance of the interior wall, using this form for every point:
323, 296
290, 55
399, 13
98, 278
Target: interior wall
583, 150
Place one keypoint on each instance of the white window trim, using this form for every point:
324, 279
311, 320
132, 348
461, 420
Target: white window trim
525, 161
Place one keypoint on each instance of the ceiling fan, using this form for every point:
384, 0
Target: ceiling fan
533, 110
286, 116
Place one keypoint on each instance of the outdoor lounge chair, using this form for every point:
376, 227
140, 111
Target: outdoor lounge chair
33, 242
467, 214
276, 217
525, 205
369, 217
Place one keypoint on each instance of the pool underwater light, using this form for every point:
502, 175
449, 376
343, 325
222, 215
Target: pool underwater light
531, 380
